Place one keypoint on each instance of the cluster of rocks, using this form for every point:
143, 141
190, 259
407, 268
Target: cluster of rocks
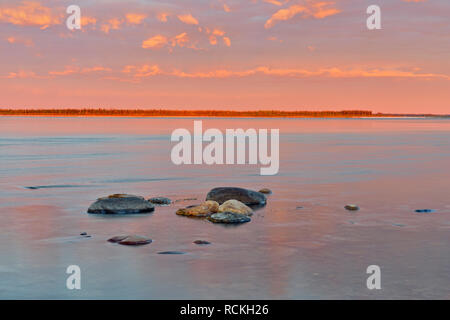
228, 205
231, 211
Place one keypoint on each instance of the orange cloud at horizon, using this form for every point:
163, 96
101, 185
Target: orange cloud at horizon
20, 40
87, 20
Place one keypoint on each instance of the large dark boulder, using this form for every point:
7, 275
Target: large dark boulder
121, 204
248, 197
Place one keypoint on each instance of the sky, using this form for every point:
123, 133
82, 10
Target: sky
227, 54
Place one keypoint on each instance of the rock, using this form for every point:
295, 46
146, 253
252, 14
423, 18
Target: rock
398, 225
424, 210
351, 207
236, 207
171, 252
186, 199
121, 204
205, 209
201, 242
247, 197
265, 190
83, 234
160, 201
130, 240
229, 217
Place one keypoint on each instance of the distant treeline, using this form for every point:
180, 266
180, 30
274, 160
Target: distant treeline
184, 113
196, 113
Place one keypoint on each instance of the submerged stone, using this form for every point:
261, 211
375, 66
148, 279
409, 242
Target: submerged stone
121, 204
229, 217
398, 225
201, 242
425, 210
160, 200
130, 240
247, 197
171, 252
352, 207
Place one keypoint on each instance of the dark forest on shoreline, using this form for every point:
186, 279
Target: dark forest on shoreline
203, 113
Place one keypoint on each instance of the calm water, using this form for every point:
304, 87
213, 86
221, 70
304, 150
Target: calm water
388, 167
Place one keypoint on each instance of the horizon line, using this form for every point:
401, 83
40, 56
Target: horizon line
205, 113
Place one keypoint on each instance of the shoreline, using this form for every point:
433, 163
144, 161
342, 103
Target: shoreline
223, 117
85, 113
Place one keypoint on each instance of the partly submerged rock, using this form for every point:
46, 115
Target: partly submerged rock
160, 200
398, 225
205, 209
229, 217
236, 207
201, 242
248, 197
130, 240
186, 199
352, 207
424, 210
121, 204
265, 190
171, 252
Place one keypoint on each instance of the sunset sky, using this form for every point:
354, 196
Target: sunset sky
231, 54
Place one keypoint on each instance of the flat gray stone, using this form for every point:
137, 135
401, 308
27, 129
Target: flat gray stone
121, 204
229, 217
130, 240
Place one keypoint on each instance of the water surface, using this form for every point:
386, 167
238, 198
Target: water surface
302, 245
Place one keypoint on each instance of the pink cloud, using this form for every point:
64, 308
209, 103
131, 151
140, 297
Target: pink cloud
135, 18
30, 13
188, 19
155, 42
20, 40
318, 10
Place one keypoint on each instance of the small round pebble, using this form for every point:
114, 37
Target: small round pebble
265, 191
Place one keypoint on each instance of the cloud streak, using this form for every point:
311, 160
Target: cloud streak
311, 9
30, 13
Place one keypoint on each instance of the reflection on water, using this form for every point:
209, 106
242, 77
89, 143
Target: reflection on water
303, 244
